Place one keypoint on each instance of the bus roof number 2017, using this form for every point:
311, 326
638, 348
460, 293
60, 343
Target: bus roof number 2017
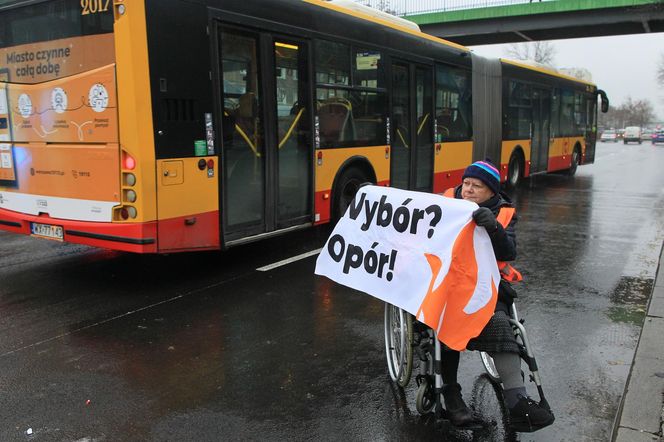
94, 6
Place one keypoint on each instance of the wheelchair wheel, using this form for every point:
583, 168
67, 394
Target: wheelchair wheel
490, 367
398, 344
426, 397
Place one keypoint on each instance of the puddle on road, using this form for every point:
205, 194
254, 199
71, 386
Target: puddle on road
630, 298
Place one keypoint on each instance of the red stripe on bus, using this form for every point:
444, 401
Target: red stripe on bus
322, 206
444, 180
127, 237
559, 162
192, 232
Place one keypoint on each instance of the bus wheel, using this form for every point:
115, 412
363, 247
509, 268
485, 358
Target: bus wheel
347, 186
576, 156
514, 170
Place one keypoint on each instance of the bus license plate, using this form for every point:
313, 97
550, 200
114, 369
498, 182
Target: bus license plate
47, 231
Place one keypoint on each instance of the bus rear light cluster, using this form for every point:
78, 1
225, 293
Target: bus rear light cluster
129, 194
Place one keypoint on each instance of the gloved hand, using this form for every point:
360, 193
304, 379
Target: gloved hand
484, 217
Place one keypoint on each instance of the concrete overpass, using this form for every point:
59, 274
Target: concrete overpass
548, 20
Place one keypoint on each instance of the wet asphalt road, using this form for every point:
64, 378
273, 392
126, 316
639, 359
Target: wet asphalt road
104, 346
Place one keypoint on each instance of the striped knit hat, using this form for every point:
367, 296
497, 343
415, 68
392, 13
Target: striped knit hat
486, 172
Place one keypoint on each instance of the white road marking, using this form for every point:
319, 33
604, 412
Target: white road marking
288, 260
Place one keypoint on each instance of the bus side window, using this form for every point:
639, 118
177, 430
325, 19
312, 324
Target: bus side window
453, 104
443, 123
334, 118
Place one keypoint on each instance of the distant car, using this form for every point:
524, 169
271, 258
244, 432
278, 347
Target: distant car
609, 135
646, 135
620, 133
658, 136
632, 133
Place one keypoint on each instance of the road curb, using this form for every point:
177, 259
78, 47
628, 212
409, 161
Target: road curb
641, 410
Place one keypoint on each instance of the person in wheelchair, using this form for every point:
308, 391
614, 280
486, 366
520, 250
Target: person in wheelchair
481, 184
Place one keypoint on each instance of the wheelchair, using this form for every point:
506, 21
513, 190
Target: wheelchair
406, 339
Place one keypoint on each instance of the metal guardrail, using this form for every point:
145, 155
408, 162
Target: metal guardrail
412, 7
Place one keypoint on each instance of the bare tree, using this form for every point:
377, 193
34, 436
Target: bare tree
641, 112
381, 5
630, 113
542, 52
580, 73
612, 119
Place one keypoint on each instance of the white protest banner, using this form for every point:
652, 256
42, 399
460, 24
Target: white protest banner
421, 252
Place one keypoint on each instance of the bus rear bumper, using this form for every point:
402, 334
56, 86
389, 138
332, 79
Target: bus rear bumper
128, 237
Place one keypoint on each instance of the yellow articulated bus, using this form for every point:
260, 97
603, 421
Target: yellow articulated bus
157, 126
549, 121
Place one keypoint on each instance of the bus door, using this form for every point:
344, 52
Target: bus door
591, 128
540, 134
412, 127
292, 140
266, 134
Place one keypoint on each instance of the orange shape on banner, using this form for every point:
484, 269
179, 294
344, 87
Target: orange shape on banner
443, 307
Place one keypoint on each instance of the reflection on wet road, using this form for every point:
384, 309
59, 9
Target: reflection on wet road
110, 346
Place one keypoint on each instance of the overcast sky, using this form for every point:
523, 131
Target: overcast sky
624, 66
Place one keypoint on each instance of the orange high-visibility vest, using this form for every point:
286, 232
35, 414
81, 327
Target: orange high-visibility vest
507, 271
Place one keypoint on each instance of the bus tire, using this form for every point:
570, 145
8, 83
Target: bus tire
576, 158
345, 189
514, 170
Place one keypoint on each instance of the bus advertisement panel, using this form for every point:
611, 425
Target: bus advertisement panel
61, 158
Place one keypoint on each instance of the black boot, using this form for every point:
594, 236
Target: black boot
457, 411
528, 416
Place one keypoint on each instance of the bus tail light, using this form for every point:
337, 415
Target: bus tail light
320, 158
129, 179
128, 162
130, 196
127, 212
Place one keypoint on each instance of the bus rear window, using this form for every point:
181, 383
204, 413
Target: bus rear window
53, 20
